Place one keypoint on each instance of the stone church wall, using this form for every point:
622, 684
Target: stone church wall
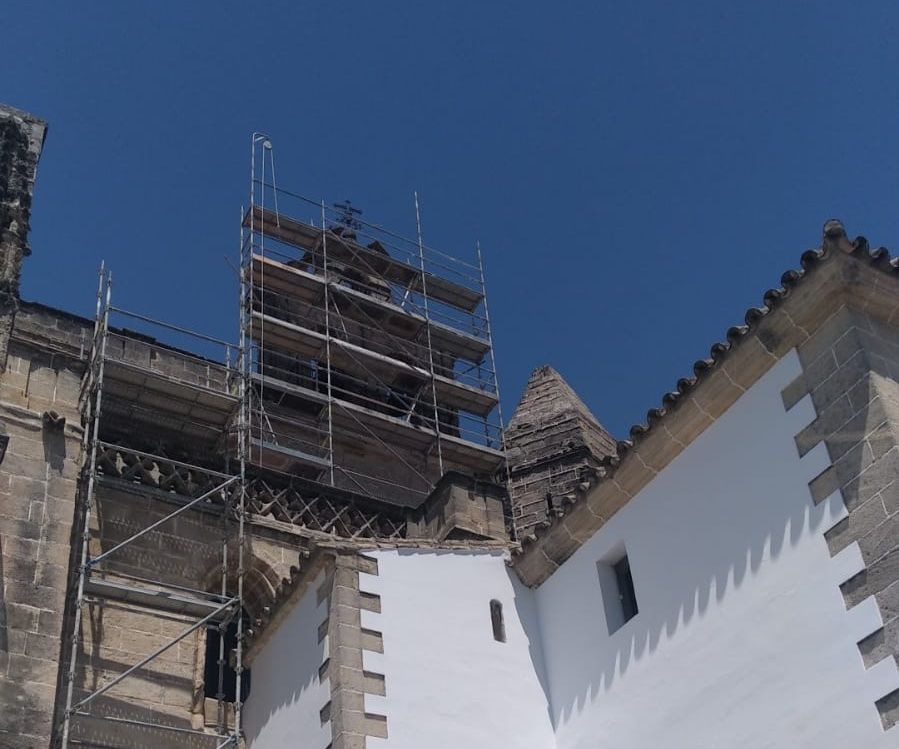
39, 473
37, 504
185, 552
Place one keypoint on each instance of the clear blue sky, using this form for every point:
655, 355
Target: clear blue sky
638, 173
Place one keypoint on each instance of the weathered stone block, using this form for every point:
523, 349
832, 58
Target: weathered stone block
890, 497
779, 333
578, 525
879, 645
35, 670
888, 707
746, 363
847, 346
657, 449
534, 566
878, 576
460, 507
817, 299
888, 601
840, 382
875, 478
688, 421
853, 463
50, 622
882, 439
30, 594
42, 646
881, 539
557, 544
15, 507
631, 475
794, 392
373, 683
821, 368
863, 521
607, 499
716, 393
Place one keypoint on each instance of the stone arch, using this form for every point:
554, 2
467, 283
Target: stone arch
259, 585
260, 582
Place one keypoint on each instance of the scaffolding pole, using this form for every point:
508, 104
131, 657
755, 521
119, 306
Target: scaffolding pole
357, 306
510, 521
424, 294
328, 347
151, 597
94, 401
364, 388
492, 355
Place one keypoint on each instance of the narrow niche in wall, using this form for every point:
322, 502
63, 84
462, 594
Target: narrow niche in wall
617, 586
496, 619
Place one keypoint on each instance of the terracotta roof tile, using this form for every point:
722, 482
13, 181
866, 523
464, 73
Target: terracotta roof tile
835, 240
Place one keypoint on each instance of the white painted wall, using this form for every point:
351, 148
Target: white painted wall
283, 708
449, 683
742, 638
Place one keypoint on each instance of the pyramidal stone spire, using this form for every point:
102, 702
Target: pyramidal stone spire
553, 443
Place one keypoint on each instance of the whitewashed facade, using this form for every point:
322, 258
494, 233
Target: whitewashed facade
762, 549
742, 638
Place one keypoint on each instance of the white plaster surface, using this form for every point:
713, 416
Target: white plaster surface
742, 637
283, 708
449, 683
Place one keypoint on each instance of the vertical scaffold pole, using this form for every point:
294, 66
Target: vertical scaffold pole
101, 326
243, 255
424, 294
499, 401
243, 435
221, 718
260, 230
328, 344
241, 530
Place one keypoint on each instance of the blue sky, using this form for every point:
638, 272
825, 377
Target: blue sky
637, 173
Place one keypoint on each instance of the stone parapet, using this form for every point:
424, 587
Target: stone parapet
460, 507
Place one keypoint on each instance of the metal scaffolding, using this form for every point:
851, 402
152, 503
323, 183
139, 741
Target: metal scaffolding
364, 370
358, 335
127, 381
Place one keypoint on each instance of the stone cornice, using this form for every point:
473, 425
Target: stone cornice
841, 272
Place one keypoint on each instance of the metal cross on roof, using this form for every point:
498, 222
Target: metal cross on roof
347, 214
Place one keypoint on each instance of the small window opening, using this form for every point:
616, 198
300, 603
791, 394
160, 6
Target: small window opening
496, 619
625, 582
229, 675
618, 594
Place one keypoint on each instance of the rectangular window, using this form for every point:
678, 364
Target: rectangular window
496, 619
617, 586
625, 583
